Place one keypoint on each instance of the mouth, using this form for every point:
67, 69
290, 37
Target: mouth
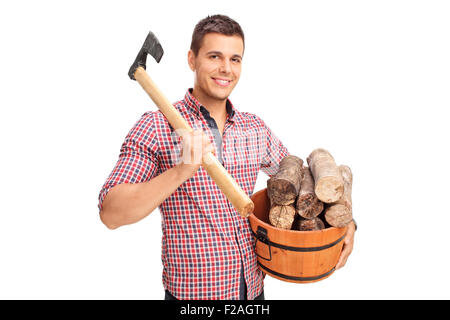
222, 82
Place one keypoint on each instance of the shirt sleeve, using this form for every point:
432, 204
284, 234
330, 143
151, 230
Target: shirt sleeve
138, 158
274, 153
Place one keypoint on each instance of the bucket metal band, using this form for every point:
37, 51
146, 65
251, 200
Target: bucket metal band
261, 235
294, 278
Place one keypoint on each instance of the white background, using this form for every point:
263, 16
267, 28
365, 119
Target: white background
367, 80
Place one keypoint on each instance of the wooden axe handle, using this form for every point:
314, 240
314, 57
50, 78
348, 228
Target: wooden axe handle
213, 167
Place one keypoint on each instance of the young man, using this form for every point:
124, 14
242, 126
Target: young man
207, 247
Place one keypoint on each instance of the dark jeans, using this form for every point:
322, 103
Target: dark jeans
168, 296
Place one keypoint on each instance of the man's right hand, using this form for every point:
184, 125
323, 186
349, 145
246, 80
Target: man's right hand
130, 202
195, 145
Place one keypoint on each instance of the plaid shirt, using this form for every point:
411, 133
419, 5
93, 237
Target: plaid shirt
205, 240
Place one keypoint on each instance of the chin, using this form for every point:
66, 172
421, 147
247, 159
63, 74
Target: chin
221, 94
221, 97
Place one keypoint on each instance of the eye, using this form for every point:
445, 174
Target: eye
236, 60
214, 56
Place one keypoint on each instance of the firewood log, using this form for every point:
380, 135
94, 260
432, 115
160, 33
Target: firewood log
308, 205
284, 186
282, 216
329, 185
339, 214
310, 224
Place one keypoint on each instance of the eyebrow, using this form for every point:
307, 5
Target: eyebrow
220, 54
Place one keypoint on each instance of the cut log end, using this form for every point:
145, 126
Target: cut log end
329, 185
281, 192
284, 186
309, 206
282, 216
247, 209
338, 215
310, 224
329, 189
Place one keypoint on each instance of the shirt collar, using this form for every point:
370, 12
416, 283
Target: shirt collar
198, 108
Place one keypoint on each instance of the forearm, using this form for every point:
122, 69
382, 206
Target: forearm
128, 203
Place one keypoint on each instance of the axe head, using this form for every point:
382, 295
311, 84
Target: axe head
152, 47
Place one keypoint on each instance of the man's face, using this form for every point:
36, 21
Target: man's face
217, 65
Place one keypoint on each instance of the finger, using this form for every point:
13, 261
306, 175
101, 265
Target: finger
198, 132
198, 146
341, 263
348, 248
349, 235
185, 151
342, 259
207, 145
209, 149
205, 140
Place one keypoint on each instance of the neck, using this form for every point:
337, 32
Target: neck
216, 107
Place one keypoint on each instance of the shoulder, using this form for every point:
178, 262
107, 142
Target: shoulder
148, 126
147, 121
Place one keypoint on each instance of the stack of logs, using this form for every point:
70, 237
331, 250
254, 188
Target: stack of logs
302, 198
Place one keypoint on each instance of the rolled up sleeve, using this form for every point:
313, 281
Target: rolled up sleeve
274, 153
138, 159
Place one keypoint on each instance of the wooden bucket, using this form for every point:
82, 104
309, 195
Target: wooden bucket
289, 255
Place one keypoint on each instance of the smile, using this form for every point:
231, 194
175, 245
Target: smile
222, 82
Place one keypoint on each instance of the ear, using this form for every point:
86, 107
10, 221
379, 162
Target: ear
191, 60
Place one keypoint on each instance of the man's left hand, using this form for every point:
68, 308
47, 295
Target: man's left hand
348, 245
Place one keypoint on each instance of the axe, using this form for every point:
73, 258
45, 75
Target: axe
243, 204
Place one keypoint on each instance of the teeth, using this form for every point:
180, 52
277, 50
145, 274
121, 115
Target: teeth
222, 82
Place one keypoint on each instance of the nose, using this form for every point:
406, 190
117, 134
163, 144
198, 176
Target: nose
225, 67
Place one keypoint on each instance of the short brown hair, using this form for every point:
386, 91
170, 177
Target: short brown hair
216, 23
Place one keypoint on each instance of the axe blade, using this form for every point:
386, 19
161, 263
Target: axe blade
151, 46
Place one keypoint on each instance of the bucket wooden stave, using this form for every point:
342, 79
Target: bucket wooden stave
293, 256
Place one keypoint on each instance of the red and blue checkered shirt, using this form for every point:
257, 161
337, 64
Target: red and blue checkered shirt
204, 239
